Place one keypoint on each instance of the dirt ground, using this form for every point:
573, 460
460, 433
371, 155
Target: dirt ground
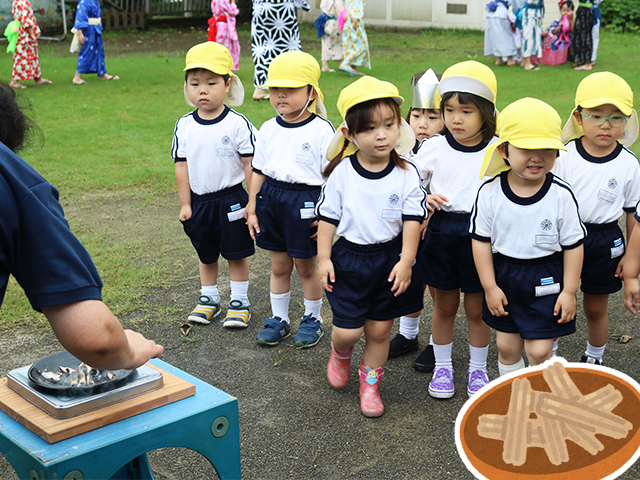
292, 423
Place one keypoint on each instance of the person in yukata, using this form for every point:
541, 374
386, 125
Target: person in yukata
88, 29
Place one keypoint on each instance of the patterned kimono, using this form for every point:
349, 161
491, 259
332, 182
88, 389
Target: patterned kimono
332, 38
581, 48
226, 30
91, 56
274, 30
532, 28
354, 41
26, 64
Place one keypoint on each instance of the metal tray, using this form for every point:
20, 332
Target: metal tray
60, 404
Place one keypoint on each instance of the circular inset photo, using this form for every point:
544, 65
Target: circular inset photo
559, 420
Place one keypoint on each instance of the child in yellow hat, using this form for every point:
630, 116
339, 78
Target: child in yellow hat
212, 149
527, 237
449, 166
606, 179
285, 184
374, 201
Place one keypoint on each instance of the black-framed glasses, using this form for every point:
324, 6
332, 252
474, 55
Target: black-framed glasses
614, 120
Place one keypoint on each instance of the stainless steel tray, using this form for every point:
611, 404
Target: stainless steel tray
63, 405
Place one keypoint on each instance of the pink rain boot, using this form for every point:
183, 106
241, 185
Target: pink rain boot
370, 402
338, 368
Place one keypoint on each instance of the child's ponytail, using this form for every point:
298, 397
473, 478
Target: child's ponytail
335, 161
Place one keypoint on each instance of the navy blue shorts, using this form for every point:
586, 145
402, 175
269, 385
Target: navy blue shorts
361, 290
603, 249
217, 225
285, 212
532, 288
445, 259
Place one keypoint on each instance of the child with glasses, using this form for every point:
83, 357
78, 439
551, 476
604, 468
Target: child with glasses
605, 177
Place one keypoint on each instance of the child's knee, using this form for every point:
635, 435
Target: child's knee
538, 351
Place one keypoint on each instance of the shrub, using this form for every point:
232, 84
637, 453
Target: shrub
621, 15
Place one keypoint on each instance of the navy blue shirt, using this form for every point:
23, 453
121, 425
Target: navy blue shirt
36, 244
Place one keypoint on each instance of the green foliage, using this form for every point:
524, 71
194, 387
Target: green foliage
621, 15
245, 11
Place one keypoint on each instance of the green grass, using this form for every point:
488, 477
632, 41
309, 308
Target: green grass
115, 137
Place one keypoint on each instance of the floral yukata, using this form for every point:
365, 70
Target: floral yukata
354, 40
224, 14
26, 64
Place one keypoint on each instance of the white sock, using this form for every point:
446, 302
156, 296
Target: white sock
443, 356
409, 327
431, 340
312, 307
478, 357
595, 352
280, 305
506, 369
210, 290
239, 290
555, 348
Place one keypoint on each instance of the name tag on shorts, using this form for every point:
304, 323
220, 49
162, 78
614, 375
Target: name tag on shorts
236, 213
544, 239
307, 213
392, 214
607, 196
304, 159
547, 287
618, 248
224, 152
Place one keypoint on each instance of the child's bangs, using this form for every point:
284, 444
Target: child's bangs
359, 116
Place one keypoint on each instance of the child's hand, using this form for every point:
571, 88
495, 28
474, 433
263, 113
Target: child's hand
327, 274
185, 213
401, 278
566, 304
253, 224
632, 294
423, 229
80, 37
435, 201
619, 271
314, 235
496, 301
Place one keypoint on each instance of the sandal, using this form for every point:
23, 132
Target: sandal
43, 81
17, 85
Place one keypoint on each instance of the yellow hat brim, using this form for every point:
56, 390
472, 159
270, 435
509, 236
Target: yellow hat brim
493, 163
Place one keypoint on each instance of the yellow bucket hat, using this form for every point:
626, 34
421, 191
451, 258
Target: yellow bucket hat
295, 69
216, 58
362, 90
470, 77
599, 89
527, 123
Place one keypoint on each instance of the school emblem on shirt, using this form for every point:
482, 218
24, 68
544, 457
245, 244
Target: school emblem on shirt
306, 147
225, 140
546, 225
393, 199
612, 184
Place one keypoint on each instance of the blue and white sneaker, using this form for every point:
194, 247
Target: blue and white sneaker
206, 310
274, 330
309, 332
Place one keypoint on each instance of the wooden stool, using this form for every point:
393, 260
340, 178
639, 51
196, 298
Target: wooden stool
206, 422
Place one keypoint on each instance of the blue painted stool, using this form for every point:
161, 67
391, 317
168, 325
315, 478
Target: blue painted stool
206, 422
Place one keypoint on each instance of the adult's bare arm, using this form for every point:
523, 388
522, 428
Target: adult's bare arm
90, 331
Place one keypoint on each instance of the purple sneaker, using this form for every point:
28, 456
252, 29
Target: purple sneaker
477, 380
441, 385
